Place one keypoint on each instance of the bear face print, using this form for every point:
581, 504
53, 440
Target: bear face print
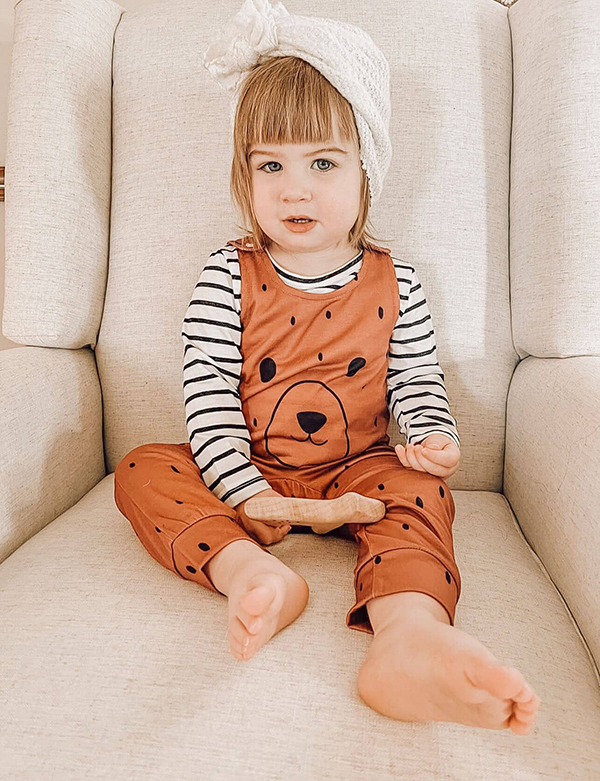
308, 424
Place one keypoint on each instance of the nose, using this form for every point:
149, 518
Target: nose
311, 421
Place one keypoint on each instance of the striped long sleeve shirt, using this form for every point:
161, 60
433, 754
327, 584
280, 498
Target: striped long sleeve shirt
212, 363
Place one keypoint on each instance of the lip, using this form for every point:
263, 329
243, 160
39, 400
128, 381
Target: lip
300, 227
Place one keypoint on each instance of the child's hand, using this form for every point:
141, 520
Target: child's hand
266, 532
437, 454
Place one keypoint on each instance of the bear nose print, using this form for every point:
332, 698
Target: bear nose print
311, 421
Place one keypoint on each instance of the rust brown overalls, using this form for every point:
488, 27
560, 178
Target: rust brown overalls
314, 397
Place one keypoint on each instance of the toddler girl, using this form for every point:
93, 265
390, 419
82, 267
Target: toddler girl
300, 339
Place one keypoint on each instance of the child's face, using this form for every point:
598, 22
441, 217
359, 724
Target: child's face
322, 185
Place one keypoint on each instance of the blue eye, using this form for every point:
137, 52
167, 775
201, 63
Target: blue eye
321, 159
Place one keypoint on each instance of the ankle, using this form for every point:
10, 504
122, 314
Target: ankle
404, 607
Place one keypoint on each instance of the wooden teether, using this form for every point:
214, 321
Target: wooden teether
322, 515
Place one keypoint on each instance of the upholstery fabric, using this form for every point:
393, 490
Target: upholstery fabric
115, 667
117, 191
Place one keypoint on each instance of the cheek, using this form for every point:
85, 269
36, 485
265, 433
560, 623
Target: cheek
343, 205
260, 196
348, 188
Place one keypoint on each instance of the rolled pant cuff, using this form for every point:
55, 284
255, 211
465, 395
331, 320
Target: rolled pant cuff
193, 549
402, 569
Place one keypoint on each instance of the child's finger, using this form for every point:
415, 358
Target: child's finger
445, 458
428, 453
412, 458
402, 456
430, 466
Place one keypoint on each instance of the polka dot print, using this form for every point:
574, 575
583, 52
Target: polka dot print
419, 503
377, 560
204, 546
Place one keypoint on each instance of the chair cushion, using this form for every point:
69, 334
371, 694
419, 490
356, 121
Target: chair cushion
113, 661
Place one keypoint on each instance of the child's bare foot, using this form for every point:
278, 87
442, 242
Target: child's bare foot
421, 669
264, 597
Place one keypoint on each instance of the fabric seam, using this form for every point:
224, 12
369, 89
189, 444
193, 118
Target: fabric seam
405, 547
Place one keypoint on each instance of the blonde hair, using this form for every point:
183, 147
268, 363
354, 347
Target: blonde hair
285, 100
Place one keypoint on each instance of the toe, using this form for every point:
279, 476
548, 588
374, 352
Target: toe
526, 708
497, 679
240, 631
236, 650
255, 604
254, 624
527, 701
521, 729
523, 715
265, 598
531, 706
248, 623
239, 648
257, 600
525, 718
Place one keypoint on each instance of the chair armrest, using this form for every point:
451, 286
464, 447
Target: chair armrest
551, 476
51, 451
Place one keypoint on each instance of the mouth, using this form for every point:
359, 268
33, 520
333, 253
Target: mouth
299, 227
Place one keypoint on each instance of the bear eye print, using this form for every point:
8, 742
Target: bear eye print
268, 368
354, 366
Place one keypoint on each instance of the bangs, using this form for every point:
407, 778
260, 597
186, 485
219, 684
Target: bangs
290, 102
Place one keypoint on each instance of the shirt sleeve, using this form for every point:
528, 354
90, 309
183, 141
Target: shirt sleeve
416, 396
212, 362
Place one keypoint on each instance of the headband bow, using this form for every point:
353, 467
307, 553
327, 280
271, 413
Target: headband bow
343, 53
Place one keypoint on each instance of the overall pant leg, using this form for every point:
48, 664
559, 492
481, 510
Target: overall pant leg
411, 547
176, 517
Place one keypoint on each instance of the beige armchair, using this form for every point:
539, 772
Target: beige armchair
117, 191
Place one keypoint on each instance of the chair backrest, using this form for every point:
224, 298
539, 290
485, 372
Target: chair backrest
106, 250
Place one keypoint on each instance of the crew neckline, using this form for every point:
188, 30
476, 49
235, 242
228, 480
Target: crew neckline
316, 276
332, 295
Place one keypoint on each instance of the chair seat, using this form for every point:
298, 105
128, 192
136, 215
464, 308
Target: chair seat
116, 667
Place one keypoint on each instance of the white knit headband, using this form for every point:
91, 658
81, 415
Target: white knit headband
343, 53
